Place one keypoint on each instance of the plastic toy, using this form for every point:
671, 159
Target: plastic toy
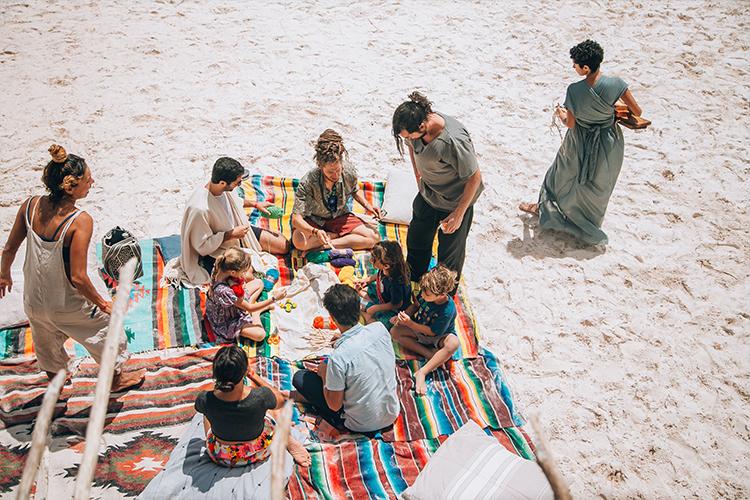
288, 306
324, 323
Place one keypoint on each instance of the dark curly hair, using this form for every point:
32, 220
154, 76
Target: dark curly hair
230, 367
390, 253
329, 148
63, 171
588, 53
409, 115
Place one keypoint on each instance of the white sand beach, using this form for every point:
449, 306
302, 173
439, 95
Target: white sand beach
636, 357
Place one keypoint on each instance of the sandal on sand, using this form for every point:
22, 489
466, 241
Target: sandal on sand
529, 208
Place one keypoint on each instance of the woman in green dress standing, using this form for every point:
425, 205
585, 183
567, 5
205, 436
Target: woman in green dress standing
578, 185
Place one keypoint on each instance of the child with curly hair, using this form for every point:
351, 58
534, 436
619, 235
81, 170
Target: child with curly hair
388, 291
427, 327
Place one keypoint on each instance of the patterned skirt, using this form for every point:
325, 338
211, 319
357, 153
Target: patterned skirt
241, 453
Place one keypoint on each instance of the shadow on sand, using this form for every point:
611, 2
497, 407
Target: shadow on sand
542, 244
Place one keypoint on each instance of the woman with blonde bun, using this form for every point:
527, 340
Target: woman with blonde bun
59, 298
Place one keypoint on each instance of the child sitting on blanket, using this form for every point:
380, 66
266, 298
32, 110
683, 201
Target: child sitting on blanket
231, 309
427, 327
389, 290
238, 429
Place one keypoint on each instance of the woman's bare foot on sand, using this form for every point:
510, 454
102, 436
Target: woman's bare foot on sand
127, 380
299, 453
529, 208
420, 386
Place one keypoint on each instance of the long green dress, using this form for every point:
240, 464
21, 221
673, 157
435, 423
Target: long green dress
578, 185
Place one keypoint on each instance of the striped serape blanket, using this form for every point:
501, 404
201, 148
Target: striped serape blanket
371, 468
173, 380
280, 191
158, 318
475, 390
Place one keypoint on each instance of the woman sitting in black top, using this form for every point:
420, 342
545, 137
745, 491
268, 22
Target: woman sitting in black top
238, 430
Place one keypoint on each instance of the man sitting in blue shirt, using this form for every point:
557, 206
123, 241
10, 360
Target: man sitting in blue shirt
355, 388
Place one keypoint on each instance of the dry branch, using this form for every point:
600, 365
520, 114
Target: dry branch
39, 436
547, 463
278, 451
104, 382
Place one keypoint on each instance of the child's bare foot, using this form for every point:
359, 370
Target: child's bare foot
420, 386
529, 208
299, 453
127, 380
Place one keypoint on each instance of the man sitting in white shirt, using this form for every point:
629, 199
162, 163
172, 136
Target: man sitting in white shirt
214, 220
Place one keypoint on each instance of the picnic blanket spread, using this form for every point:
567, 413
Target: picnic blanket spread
134, 422
144, 425
160, 318
157, 318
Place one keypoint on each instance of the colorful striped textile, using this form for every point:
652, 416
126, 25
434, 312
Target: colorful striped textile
158, 318
166, 397
370, 468
475, 389
466, 389
374, 468
280, 191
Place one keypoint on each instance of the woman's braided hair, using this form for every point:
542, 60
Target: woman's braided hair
329, 148
63, 172
409, 115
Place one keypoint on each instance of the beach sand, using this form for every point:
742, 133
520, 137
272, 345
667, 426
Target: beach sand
636, 357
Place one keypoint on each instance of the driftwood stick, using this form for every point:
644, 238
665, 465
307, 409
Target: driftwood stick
39, 436
278, 451
104, 383
547, 463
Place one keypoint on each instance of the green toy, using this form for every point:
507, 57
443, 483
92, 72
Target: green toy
274, 212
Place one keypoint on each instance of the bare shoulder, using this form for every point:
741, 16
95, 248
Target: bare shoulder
83, 222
